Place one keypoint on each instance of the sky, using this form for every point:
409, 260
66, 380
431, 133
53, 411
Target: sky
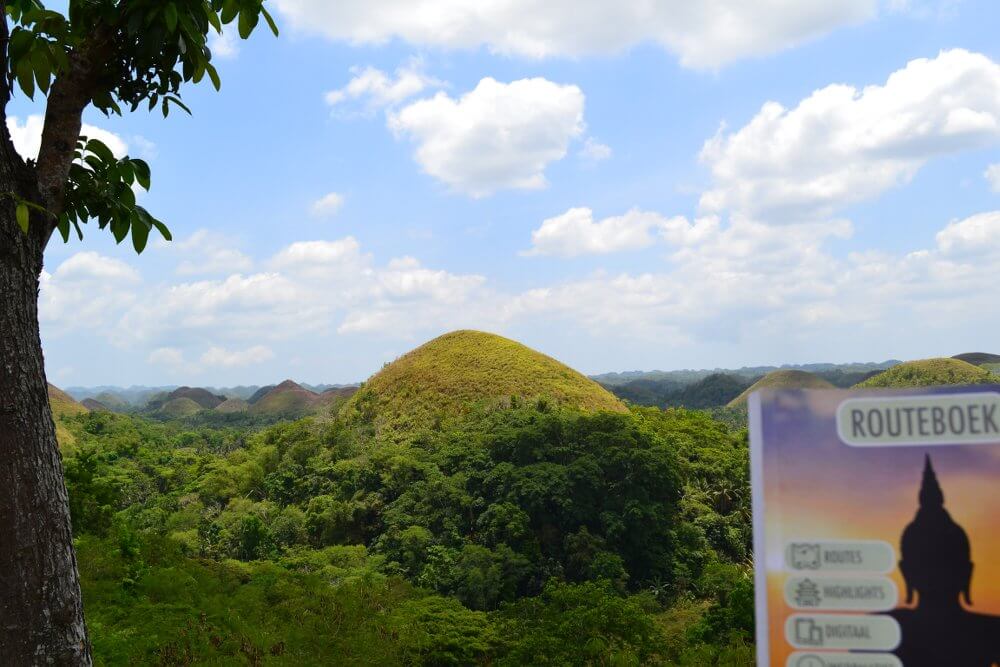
625, 185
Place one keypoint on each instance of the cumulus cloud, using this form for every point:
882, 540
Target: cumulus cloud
27, 136
575, 233
497, 136
206, 252
376, 89
85, 292
975, 235
719, 284
703, 34
843, 145
328, 205
992, 175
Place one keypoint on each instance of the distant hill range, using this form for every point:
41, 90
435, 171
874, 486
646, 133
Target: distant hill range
471, 365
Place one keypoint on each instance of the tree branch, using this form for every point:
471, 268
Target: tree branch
71, 92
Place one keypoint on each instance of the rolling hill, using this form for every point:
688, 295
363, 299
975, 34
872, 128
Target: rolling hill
178, 407
978, 358
782, 380
444, 376
287, 399
112, 402
205, 399
931, 372
94, 405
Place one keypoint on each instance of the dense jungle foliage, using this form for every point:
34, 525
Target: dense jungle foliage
508, 535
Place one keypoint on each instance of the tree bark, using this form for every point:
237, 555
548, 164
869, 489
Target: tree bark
41, 610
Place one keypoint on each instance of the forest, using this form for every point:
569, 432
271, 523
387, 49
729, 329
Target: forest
513, 533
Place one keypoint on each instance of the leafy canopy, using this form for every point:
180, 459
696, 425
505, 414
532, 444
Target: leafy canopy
115, 54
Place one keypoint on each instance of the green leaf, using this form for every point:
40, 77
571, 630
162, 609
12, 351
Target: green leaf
247, 23
213, 74
119, 229
162, 228
270, 21
26, 77
142, 175
170, 14
101, 150
63, 227
22, 215
43, 68
20, 44
229, 10
140, 233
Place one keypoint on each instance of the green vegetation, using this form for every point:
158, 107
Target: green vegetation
515, 532
931, 372
443, 378
785, 379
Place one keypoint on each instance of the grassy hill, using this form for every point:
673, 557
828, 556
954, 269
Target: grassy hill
931, 372
94, 405
178, 407
978, 358
205, 399
112, 401
63, 405
782, 380
288, 398
444, 376
232, 405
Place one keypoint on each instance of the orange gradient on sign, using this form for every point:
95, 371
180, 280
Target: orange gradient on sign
817, 488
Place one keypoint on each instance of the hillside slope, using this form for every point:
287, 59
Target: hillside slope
63, 405
931, 372
444, 376
782, 380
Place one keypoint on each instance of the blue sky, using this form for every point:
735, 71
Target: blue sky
710, 185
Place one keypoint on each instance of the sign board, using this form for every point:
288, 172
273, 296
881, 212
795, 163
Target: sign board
877, 527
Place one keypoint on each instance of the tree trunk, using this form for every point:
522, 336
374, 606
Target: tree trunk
41, 611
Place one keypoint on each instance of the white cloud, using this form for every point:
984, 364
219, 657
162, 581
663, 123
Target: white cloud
378, 89
975, 235
27, 136
992, 175
575, 233
220, 356
842, 145
86, 291
328, 205
497, 136
206, 252
704, 34
225, 46
594, 151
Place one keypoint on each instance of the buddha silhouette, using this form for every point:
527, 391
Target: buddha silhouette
937, 566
